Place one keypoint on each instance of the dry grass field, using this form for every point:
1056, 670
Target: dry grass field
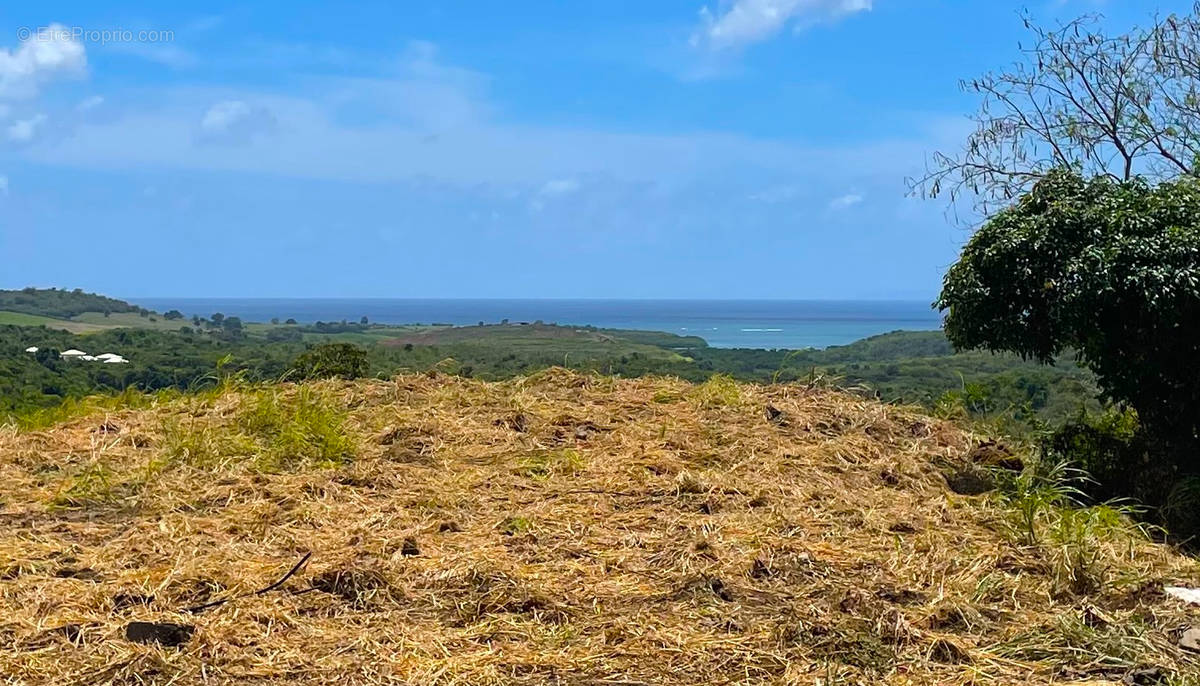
557, 529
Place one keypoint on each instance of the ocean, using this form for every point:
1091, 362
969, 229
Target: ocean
789, 324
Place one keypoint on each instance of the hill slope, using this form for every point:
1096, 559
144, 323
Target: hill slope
557, 528
60, 303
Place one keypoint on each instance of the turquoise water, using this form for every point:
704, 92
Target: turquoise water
723, 323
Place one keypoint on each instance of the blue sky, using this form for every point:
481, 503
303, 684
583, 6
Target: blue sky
739, 149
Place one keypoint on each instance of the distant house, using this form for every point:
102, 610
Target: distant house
116, 359
105, 356
73, 353
31, 349
88, 358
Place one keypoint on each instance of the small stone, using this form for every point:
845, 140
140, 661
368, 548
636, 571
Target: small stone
1146, 676
759, 501
775, 415
996, 454
163, 633
449, 527
81, 573
970, 481
123, 601
410, 548
107, 427
948, 652
516, 421
1095, 617
901, 596
720, 590
1190, 640
760, 569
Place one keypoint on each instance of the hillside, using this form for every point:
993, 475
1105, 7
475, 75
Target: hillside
76, 311
60, 303
169, 350
555, 528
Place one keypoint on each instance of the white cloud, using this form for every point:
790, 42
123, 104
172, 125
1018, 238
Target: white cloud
23, 130
845, 201
89, 103
559, 187
396, 129
775, 194
751, 21
235, 121
49, 53
552, 189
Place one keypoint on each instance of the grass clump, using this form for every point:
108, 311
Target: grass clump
1073, 641
1083, 543
719, 391
95, 485
37, 419
515, 525
545, 464
294, 429
201, 444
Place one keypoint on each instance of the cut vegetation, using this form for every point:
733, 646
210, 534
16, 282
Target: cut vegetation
561, 528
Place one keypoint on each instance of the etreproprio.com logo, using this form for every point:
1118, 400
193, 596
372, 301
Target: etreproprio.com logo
82, 34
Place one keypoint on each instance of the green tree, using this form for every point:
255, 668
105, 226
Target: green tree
1107, 269
342, 360
172, 315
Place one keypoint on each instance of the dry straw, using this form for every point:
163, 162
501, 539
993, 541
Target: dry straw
557, 528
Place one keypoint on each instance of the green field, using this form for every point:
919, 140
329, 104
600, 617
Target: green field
23, 319
130, 320
546, 338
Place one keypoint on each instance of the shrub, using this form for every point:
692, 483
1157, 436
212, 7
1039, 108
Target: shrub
1111, 271
1110, 447
330, 360
1114, 449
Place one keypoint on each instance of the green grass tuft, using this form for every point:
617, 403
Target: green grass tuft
304, 428
543, 465
719, 391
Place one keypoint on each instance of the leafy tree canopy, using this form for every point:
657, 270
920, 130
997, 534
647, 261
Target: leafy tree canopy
342, 360
1109, 269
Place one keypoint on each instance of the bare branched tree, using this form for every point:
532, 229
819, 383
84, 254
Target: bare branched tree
1103, 105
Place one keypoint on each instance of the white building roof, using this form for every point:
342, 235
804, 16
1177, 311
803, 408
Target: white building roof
116, 360
73, 353
31, 349
105, 356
